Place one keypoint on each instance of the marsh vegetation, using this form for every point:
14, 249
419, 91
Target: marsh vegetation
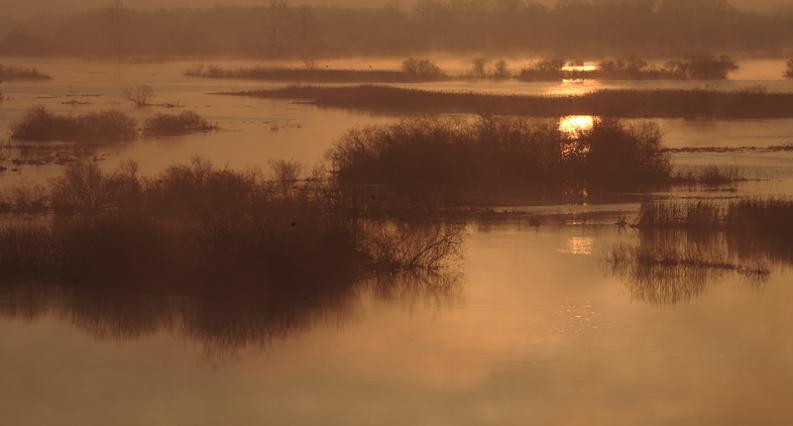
757, 217
686, 246
12, 72
184, 123
431, 157
700, 103
413, 70
38, 124
704, 67
195, 221
668, 267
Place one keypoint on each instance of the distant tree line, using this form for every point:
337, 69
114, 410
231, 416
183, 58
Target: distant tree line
571, 28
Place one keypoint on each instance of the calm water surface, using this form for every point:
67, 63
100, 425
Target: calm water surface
539, 332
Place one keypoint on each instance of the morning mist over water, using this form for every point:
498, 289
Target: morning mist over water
426, 212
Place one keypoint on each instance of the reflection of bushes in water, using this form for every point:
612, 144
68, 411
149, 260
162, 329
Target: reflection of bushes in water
38, 124
436, 156
669, 267
609, 103
177, 124
683, 246
231, 258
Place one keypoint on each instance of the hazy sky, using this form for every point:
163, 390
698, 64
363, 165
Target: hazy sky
27, 7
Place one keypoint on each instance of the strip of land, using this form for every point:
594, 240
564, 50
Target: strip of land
745, 104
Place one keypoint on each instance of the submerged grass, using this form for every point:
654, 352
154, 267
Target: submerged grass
38, 124
177, 124
606, 103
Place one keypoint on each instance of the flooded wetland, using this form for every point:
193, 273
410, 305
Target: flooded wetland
370, 238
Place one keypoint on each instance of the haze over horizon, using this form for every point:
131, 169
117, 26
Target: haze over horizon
14, 8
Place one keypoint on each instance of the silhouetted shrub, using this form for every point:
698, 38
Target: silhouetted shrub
38, 124
193, 222
789, 71
177, 124
551, 69
422, 70
702, 67
453, 156
501, 70
140, 95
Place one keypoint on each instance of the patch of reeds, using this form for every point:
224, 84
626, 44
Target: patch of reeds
760, 217
709, 176
177, 124
698, 103
39, 124
11, 72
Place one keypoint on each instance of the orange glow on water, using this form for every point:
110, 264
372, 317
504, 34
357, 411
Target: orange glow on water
572, 125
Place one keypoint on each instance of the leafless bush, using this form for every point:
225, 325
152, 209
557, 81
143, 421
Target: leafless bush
140, 95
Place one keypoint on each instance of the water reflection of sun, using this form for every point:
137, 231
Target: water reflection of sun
581, 246
580, 68
573, 125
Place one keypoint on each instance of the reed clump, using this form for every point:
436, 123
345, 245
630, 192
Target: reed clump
38, 124
772, 218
